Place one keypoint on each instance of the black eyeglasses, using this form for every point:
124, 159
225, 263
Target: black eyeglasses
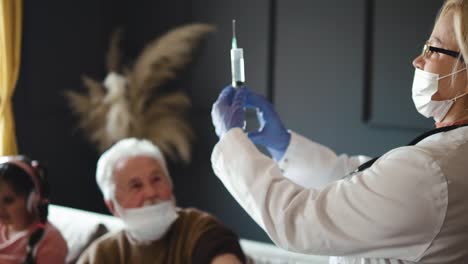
427, 49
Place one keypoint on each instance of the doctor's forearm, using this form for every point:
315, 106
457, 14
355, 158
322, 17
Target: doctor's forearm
312, 165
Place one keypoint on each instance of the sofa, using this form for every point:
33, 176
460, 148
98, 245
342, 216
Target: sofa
80, 228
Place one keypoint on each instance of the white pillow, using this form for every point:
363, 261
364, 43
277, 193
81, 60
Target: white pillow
80, 228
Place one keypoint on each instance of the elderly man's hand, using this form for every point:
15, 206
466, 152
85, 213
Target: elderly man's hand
228, 111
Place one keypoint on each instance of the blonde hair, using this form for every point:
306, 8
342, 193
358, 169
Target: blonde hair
459, 9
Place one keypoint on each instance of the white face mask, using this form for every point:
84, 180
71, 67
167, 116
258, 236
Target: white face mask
148, 223
425, 85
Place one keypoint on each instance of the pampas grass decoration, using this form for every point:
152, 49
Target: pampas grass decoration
127, 103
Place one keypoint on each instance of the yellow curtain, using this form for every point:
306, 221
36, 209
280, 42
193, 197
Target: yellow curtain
10, 51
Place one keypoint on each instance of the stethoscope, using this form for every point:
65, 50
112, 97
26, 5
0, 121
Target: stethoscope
415, 141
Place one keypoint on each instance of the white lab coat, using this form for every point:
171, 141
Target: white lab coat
410, 206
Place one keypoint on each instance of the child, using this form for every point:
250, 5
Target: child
25, 234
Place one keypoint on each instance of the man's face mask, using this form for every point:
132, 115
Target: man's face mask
425, 85
148, 223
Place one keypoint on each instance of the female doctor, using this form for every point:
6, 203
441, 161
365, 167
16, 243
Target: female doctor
410, 205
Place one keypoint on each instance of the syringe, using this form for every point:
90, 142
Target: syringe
237, 60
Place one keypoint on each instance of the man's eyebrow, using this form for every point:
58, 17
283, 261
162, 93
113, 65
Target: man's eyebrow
133, 180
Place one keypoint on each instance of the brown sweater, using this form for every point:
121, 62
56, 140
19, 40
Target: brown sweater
195, 237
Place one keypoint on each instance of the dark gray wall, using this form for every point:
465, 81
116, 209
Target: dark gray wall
321, 72
309, 57
61, 42
391, 60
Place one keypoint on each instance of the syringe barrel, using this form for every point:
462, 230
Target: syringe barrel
237, 67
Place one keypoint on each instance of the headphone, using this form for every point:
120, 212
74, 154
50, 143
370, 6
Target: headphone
38, 198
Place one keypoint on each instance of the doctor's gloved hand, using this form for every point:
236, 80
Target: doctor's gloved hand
228, 110
272, 134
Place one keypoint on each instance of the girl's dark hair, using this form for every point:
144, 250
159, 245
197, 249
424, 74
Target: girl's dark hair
17, 178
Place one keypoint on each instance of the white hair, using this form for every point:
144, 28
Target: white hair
123, 149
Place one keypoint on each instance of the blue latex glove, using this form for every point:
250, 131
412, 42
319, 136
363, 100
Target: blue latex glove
228, 110
272, 134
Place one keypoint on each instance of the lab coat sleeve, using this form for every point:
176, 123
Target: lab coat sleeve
321, 162
392, 210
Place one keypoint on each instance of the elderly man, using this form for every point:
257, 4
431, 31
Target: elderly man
137, 188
